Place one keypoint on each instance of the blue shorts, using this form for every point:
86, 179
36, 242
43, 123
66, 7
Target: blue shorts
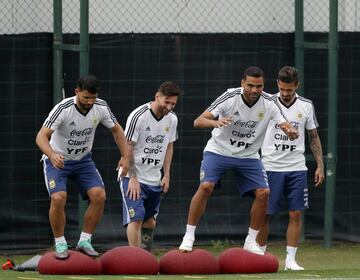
249, 173
141, 209
83, 172
292, 186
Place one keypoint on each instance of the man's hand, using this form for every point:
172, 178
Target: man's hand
289, 130
223, 122
165, 184
319, 176
123, 166
133, 191
292, 133
57, 160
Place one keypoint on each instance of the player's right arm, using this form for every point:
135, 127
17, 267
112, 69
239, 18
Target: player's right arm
207, 120
133, 191
42, 141
289, 130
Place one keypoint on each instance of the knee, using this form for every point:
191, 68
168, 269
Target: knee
295, 217
134, 225
97, 195
150, 223
206, 188
262, 194
58, 199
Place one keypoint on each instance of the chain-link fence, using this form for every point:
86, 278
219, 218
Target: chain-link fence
135, 45
177, 16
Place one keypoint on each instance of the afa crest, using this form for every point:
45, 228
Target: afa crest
299, 115
94, 122
167, 129
52, 184
131, 213
261, 115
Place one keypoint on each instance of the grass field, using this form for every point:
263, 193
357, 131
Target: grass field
342, 261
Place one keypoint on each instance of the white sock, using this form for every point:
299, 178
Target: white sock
252, 234
60, 239
85, 236
290, 253
263, 248
190, 232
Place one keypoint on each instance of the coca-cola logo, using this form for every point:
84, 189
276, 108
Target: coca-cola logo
155, 139
86, 131
245, 124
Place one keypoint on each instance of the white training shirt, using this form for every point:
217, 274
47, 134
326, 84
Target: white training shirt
74, 132
244, 136
151, 137
279, 153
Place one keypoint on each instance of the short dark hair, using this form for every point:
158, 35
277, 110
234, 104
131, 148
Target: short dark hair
288, 74
253, 71
169, 88
88, 82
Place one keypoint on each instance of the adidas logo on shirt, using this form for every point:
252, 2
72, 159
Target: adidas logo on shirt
72, 123
148, 129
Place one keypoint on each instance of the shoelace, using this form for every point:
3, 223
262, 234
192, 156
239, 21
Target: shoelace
86, 244
61, 247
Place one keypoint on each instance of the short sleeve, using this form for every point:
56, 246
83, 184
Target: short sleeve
174, 133
55, 117
221, 105
132, 129
108, 119
311, 122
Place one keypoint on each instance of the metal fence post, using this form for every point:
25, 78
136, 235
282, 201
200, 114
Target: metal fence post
58, 52
299, 64
332, 125
84, 37
299, 43
83, 70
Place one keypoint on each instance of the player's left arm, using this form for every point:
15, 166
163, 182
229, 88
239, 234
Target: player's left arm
165, 182
121, 142
315, 145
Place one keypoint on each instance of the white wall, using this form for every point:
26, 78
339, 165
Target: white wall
176, 16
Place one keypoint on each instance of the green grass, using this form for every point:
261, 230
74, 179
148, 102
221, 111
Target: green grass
341, 261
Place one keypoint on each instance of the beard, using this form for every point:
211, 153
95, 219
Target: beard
85, 107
